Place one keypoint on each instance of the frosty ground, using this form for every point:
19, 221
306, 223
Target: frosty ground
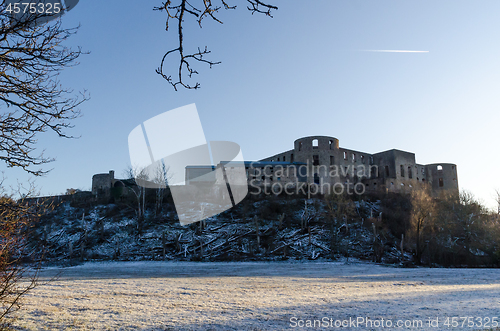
256, 296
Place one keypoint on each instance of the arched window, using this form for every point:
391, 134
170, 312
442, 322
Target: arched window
315, 143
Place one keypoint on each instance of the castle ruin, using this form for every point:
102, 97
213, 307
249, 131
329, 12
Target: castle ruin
388, 171
318, 161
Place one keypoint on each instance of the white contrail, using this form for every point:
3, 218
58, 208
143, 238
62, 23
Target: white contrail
393, 51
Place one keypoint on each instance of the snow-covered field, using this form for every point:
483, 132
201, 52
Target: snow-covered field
260, 296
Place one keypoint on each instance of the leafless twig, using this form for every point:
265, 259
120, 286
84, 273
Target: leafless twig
180, 11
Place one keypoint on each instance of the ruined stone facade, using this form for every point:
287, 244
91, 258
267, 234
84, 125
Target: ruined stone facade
318, 161
256, 172
102, 184
390, 171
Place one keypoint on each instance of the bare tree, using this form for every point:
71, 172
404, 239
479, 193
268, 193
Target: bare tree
421, 219
32, 101
180, 10
17, 277
161, 178
463, 218
339, 208
31, 96
137, 175
154, 177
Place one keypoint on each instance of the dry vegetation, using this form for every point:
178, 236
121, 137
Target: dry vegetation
399, 229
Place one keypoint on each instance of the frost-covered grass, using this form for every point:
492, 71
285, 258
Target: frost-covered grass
252, 295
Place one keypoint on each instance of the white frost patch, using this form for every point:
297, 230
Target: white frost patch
252, 295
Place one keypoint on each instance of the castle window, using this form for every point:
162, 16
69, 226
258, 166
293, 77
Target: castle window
291, 157
331, 160
353, 157
300, 146
345, 155
402, 169
315, 160
441, 183
371, 159
387, 171
362, 159
315, 144
439, 168
316, 178
410, 174
423, 180
453, 167
331, 144
284, 158
278, 159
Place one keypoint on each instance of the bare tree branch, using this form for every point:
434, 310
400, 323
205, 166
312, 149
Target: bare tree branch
200, 11
33, 100
257, 5
16, 278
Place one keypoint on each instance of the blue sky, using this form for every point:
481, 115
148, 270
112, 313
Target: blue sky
304, 72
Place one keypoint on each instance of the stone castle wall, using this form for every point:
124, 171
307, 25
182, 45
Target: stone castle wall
388, 171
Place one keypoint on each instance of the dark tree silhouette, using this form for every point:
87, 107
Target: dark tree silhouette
32, 99
199, 10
